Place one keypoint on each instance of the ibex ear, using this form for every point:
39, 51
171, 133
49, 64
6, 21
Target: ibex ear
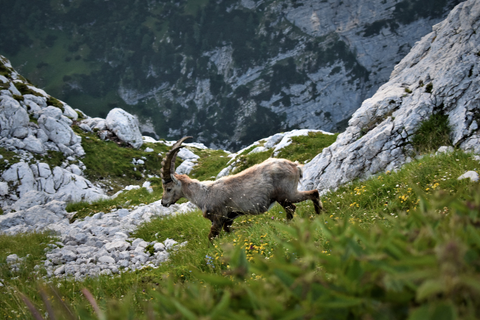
174, 179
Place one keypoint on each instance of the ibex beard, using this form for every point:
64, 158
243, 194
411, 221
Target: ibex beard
251, 191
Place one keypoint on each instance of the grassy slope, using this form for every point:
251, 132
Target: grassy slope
378, 249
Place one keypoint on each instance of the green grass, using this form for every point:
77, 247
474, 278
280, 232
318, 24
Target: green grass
10, 156
210, 164
25, 280
4, 71
24, 89
432, 134
126, 199
379, 249
247, 160
112, 163
305, 148
302, 149
52, 158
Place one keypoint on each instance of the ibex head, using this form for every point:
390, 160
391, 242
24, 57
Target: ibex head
172, 188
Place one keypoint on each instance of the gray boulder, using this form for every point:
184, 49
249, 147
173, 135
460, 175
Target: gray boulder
472, 175
95, 123
12, 116
33, 144
29, 199
69, 112
56, 130
125, 126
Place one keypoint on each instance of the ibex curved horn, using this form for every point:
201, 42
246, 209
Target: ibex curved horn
168, 163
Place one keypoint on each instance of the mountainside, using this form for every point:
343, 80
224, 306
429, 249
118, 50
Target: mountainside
227, 72
435, 87
400, 245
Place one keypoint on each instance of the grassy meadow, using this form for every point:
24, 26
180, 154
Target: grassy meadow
399, 245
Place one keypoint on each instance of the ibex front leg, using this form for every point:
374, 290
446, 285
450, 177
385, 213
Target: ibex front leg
289, 209
217, 224
229, 220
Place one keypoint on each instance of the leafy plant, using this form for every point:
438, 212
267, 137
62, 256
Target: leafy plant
432, 134
429, 88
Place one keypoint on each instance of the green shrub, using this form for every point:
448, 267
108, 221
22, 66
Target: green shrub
429, 88
51, 101
432, 134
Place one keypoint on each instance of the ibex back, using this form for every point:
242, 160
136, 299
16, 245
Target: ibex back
251, 191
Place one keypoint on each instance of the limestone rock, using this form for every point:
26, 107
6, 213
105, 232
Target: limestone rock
441, 73
125, 126
12, 116
472, 175
56, 130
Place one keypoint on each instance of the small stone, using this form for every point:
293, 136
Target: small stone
106, 272
445, 149
159, 247
13, 258
106, 259
472, 175
60, 270
119, 245
123, 263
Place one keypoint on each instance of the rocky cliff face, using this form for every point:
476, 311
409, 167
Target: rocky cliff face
440, 75
340, 54
227, 72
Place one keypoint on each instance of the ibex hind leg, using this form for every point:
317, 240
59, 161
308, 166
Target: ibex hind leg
214, 231
313, 195
289, 209
217, 224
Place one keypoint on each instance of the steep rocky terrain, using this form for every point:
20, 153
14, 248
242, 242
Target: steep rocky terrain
440, 76
228, 72
42, 170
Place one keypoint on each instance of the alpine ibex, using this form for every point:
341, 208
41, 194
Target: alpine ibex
251, 191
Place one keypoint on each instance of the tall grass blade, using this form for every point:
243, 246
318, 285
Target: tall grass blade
35, 313
94, 304
47, 303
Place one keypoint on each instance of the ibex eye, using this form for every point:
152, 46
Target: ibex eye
169, 189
